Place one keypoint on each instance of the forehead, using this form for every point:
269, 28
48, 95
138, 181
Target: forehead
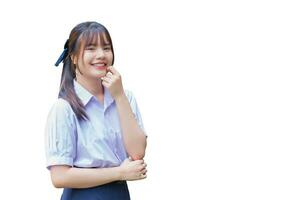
94, 38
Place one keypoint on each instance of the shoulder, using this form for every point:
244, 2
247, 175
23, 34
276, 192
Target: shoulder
61, 104
61, 107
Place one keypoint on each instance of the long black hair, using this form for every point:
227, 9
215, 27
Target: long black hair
81, 35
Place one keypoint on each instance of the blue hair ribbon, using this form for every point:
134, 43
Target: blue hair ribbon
63, 55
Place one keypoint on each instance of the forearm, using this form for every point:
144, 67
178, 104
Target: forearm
133, 136
72, 177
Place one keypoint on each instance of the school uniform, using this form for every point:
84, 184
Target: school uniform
93, 143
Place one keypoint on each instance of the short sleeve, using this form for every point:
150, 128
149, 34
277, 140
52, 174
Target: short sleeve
135, 110
60, 140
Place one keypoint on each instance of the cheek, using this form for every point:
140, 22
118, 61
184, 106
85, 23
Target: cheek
110, 57
87, 58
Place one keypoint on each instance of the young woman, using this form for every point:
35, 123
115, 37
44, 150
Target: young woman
95, 138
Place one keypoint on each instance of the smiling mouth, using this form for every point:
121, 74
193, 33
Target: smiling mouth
100, 66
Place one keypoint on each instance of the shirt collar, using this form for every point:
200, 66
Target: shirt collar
85, 96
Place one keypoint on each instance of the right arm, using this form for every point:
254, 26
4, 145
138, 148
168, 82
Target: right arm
71, 177
64, 176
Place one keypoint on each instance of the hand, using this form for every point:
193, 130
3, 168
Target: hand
133, 170
113, 82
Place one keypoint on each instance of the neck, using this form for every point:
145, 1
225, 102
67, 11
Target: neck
94, 86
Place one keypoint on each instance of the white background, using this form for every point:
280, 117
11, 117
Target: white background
217, 83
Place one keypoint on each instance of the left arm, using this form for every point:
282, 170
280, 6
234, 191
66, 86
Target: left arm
133, 136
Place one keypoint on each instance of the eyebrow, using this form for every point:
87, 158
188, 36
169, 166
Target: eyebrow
93, 44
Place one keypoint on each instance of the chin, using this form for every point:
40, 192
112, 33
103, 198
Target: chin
100, 73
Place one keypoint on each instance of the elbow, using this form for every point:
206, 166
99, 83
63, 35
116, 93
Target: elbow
57, 183
138, 152
58, 176
138, 156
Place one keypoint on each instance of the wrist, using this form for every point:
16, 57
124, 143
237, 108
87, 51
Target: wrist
119, 173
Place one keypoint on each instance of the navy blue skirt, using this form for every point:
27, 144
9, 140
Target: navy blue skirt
112, 191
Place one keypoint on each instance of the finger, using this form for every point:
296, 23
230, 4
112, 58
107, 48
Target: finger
113, 70
143, 176
107, 79
105, 84
140, 168
140, 161
109, 74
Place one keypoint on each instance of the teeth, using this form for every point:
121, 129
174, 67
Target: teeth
102, 64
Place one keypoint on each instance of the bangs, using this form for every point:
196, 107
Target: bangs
94, 37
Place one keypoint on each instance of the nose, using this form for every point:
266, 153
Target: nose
99, 53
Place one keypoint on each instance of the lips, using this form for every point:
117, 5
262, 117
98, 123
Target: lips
100, 66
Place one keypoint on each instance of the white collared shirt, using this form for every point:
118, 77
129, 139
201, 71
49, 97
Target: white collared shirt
96, 142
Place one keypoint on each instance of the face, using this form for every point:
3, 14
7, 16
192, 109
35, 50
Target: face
93, 60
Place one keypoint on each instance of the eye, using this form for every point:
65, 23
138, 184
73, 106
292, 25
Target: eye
107, 48
90, 48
